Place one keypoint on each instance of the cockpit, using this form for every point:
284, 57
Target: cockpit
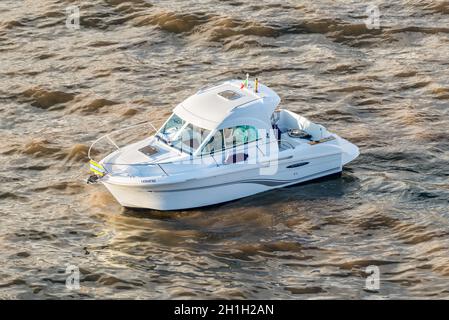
181, 135
188, 138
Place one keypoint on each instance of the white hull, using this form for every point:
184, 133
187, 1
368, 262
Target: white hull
186, 199
222, 188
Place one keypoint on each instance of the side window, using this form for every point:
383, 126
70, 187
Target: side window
190, 138
215, 144
240, 135
251, 134
229, 138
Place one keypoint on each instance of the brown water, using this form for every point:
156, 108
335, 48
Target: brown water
387, 90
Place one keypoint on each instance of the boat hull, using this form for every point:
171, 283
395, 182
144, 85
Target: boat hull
223, 188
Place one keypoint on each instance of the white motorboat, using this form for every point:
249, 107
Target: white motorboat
223, 143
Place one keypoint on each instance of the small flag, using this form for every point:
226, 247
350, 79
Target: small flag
245, 83
97, 168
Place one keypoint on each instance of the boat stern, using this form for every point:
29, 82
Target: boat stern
349, 151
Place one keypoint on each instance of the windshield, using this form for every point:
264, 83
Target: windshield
190, 138
169, 131
183, 136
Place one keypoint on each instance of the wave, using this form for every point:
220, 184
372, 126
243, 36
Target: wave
11, 196
441, 93
93, 106
77, 153
441, 7
69, 187
419, 29
225, 27
171, 21
41, 148
45, 99
205, 26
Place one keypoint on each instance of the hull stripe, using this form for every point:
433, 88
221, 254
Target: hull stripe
265, 182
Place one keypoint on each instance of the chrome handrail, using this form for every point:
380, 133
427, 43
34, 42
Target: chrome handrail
111, 141
107, 136
280, 141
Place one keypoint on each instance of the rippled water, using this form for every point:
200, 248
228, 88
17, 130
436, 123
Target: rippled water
387, 90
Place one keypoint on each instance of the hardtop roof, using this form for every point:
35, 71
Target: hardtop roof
209, 107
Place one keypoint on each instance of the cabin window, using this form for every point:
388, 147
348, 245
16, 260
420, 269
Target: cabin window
239, 135
215, 144
190, 138
230, 138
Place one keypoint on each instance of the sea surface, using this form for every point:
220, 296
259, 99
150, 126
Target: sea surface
384, 88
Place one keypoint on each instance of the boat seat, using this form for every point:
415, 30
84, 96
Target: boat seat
235, 158
283, 121
317, 131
